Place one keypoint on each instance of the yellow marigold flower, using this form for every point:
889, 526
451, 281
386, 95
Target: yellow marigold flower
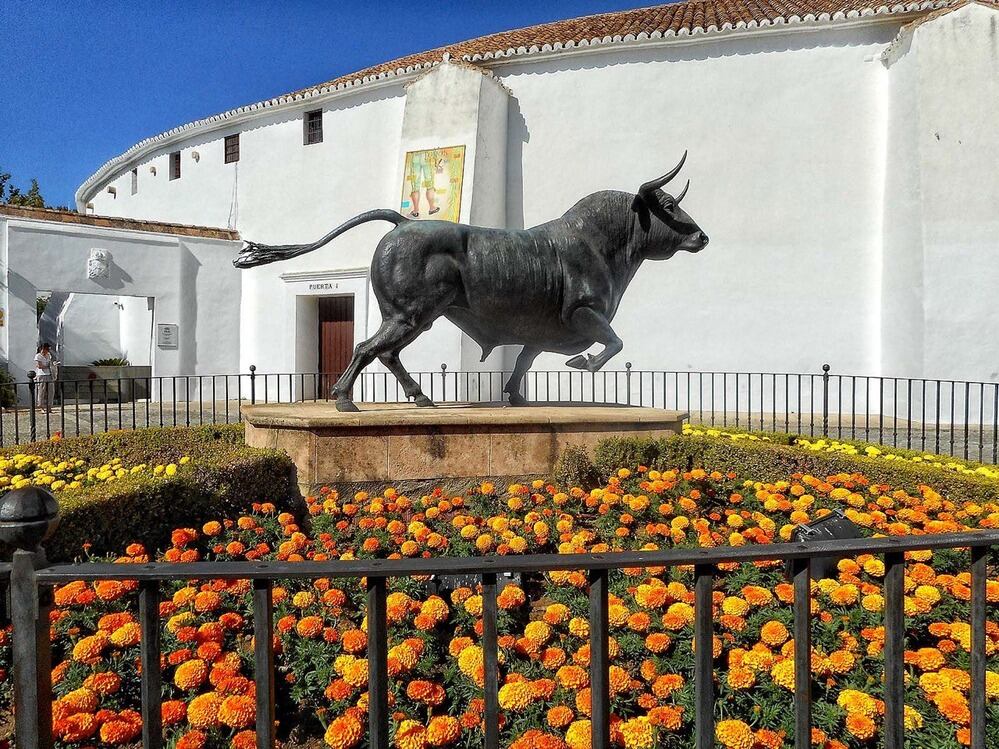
874, 567
857, 702
473, 605
783, 674
928, 593
913, 719
556, 613
470, 660
873, 602
734, 734
126, 635
537, 632
638, 733
578, 735
82, 700
579, 627
515, 696
303, 599
735, 606
344, 732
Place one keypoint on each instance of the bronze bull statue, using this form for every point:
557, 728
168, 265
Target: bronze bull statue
554, 287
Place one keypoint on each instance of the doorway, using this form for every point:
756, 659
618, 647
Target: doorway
336, 337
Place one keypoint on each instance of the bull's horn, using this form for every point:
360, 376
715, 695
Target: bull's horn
657, 183
680, 196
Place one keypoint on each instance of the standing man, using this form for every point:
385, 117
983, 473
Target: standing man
43, 378
421, 177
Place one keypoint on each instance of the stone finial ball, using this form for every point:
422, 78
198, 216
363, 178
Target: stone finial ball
28, 517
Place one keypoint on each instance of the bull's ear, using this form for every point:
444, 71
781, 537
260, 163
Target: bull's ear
639, 206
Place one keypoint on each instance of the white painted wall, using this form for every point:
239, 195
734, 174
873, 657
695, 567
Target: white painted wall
191, 280
836, 217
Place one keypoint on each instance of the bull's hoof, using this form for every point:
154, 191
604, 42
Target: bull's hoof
586, 363
516, 399
423, 401
346, 405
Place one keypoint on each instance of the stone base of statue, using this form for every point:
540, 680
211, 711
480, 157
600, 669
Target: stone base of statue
452, 445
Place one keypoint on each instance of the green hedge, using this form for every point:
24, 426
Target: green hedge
223, 479
772, 461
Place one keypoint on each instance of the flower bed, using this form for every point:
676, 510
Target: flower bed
164, 477
435, 658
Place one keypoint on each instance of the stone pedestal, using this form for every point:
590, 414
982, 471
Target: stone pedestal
399, 443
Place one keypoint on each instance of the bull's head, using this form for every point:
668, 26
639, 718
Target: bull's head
667, 226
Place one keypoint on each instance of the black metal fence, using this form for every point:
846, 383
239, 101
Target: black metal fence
958, 418
31, 595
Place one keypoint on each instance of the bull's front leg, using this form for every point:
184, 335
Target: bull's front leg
587, 323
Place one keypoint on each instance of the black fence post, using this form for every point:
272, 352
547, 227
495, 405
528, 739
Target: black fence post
825, 400
30, 517
627, 381
32, 416
444, 382
253, 384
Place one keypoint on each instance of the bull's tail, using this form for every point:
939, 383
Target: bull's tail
260, 254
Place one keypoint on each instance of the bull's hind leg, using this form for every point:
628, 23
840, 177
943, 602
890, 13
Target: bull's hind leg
390, 336
524, 362
410, 386
591, 325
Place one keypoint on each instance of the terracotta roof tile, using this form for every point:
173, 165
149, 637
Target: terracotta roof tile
676, 18
113, 222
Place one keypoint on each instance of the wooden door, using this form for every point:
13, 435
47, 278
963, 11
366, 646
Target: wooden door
336, 338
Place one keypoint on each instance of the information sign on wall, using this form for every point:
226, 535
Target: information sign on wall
167, 335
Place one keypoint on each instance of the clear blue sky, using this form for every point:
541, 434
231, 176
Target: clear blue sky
83, 81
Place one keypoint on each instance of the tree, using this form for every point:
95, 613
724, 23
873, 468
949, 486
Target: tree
11, 195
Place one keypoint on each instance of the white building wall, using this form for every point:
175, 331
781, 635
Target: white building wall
805, 171
191, 280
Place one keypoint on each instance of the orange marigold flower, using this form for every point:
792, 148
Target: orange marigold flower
411, 734
104, 683
120, 730
344, 732
190, 675
443, 730
534, 738
244, 740
192, 740
560, 716
173, 711
237, 711
78, 727
203, 710
88, 649
734, 734
859, 725
309, 626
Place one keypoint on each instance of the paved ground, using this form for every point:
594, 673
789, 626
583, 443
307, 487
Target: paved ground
982, 444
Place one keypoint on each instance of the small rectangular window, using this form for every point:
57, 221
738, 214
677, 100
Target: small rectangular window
314, 127
231, 148
175, 165
135, 181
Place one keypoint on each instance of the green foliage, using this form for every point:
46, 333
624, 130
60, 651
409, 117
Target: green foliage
7, 396
111, 361
12, 195
777, 459
41, 303
574, 468
224, 477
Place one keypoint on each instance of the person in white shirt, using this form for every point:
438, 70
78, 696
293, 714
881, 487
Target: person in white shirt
44, 388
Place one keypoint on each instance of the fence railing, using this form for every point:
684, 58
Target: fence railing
31, 583
959, 418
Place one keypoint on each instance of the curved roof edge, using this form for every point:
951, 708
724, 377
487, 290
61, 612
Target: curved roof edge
675, 22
